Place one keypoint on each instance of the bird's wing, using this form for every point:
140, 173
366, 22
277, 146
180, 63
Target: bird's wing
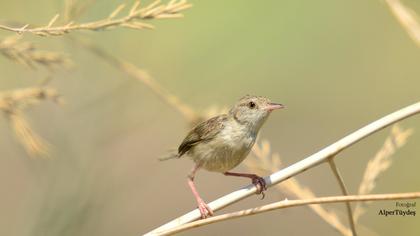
203, 132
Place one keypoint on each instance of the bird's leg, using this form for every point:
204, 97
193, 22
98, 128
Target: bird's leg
205, 210
258, 181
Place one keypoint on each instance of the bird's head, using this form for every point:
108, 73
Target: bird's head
253, 110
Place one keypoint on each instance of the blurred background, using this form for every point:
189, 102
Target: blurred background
336, 65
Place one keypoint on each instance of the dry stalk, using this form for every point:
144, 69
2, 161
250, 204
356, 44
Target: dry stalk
134, 19
287, 204
344, 191
380, 163
13, 103
26, 54
142, 76
407, 18
264, 161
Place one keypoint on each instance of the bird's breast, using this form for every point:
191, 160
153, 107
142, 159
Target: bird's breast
227, 150
237, 138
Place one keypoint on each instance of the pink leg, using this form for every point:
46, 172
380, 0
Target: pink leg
205, 210
256, 180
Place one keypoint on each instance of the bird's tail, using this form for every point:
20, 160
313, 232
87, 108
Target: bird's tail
171, 155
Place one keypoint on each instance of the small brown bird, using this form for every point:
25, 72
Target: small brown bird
223, 142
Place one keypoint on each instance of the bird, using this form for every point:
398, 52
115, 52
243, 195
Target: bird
221, 143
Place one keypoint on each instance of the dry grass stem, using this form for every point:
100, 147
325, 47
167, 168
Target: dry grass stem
13, 104
287, 204
264, 161
26, 54
407, 18
344, 191
144, 77
380, 163
134, 19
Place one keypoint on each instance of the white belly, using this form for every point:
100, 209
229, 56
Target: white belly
225, 152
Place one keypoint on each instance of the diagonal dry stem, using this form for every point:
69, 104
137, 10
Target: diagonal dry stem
134, 19
408, 19
288, 204
188, 113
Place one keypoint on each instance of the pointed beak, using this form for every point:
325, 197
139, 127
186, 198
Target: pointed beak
274, 106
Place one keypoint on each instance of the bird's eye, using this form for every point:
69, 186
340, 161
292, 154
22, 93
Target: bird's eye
251, 105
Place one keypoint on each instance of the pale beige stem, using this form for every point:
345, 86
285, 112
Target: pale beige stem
345, 193
287, 204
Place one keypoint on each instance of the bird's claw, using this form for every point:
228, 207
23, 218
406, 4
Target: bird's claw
205, 210
261, 185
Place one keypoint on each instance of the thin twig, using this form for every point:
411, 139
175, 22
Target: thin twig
343, 188
287, 204
132, 20
298, 167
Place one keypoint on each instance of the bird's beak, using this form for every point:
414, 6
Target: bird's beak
274, 106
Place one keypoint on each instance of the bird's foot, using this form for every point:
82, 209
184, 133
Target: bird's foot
205, 210
261, 185
256, 180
